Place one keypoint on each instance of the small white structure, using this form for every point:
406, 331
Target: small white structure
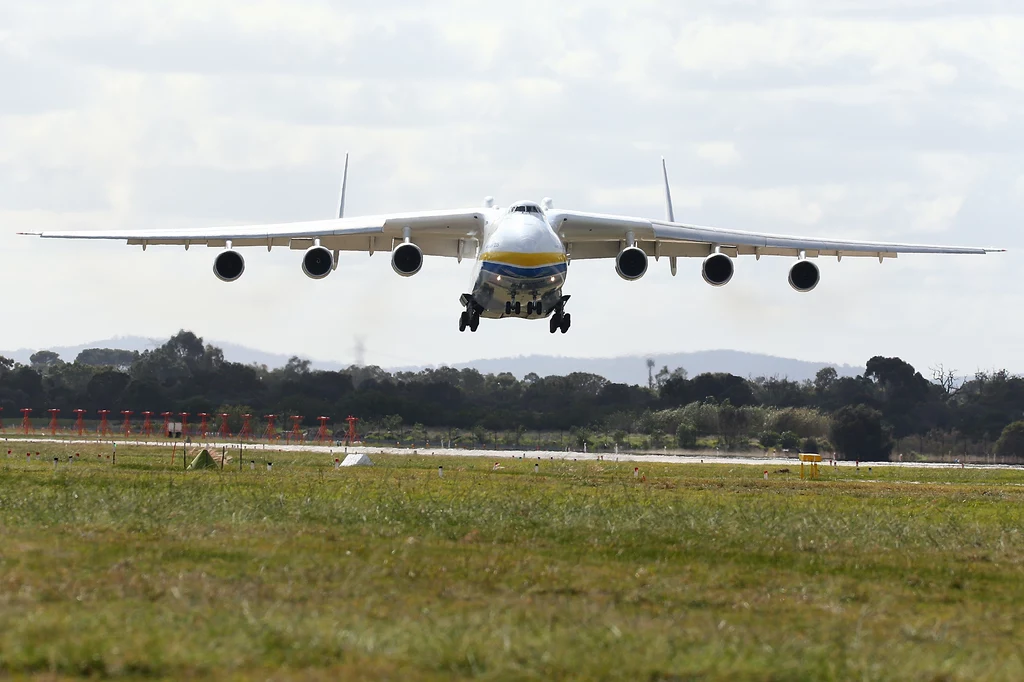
355, 460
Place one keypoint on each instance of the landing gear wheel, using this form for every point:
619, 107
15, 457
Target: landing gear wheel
529, 307
519, 307
554, 323
474, 322
538, 308
566, 322
508, 307
462, 321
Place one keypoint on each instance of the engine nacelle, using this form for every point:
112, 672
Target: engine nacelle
228, 265
317, 262
407, 259
631, 263
717, 269
804, 276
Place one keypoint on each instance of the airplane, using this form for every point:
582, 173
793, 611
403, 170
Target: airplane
522, 252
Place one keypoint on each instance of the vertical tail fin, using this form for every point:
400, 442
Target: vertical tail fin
669, 213
344, 185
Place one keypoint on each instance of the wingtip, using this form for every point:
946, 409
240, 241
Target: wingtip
30, 234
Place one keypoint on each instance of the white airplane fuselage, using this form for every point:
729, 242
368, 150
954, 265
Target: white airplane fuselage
522, 261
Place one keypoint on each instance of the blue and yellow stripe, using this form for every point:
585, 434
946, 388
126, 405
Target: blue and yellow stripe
523, 265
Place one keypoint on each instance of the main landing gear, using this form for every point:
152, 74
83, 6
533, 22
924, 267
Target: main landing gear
560, 320
468, 319
470, 316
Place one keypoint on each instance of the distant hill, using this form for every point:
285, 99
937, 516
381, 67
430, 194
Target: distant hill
232, 351
69, 353
624, 369
633, 369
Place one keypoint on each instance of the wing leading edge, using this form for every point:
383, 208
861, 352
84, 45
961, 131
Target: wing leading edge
440, 231
595, 235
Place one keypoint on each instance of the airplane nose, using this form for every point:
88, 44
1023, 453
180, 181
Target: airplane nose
529, 234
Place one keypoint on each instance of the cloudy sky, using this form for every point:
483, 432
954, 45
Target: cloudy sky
893, 120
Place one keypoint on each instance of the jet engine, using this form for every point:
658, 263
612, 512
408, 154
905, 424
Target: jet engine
317, 262
717, 269
804, 276
631, 263
407, 259
228, 265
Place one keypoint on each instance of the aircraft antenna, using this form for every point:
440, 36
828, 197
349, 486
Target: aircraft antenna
669, 213
344, 184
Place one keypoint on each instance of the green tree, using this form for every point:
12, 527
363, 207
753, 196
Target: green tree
391, 424
824, 379
1011, 442
580, 437
105, 389
904, 395
789, 440
418, 433
768, 439
107, 357
44, 359
686, 435
733, 424
296, 365
858, 433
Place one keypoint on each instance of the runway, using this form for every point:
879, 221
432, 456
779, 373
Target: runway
250, 449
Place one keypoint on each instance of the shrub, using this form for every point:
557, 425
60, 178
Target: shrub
789, 441
686, 435
769, 439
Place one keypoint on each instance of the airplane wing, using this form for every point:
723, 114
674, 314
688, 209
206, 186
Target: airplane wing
437, 233
595, 235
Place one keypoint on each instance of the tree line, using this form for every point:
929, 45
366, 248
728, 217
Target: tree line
890, 407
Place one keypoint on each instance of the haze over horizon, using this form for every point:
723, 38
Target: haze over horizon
894, 121
631, 369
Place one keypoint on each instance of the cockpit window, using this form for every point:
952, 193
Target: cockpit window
525, 208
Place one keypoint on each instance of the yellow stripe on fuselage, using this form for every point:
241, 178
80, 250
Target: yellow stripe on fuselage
523, 260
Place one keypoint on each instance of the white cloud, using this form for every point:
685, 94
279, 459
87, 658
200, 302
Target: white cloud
718, 153
935, 215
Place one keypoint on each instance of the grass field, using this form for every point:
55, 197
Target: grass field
142, 570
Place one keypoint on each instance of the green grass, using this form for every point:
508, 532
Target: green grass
699, 572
